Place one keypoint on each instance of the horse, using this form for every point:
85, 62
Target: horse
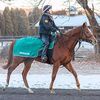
62, 55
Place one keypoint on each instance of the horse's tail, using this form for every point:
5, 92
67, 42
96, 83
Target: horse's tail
10, 56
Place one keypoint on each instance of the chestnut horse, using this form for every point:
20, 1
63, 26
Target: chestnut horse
62, 55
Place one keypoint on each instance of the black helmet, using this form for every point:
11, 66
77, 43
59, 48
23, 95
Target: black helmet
47, 8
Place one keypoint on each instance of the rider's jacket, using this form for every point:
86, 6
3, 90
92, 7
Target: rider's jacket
47, 25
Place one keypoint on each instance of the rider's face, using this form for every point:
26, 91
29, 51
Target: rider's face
50, 11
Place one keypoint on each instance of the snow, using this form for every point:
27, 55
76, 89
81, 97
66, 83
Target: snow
85, 45
63, 81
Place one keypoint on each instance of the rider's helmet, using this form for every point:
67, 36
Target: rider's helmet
47, 8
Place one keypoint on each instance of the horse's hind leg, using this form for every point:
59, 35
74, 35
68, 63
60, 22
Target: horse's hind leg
10, 70
54, 72
24, 73
71, 69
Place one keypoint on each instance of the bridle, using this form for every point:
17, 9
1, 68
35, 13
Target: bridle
83, 33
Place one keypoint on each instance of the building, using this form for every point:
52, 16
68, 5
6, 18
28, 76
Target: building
69, 22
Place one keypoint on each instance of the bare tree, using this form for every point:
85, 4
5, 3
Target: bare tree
90, 14
36, 3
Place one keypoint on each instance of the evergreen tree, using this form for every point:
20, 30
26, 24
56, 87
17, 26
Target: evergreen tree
14, 20
2, 25
34, 18
23, 23
8, 22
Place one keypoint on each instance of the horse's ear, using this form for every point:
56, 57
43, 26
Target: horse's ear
84, 24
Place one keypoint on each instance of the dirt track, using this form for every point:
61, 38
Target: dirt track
44, 94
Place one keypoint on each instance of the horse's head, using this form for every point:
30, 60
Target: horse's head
87, 35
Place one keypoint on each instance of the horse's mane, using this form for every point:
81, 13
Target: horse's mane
67, 34
71, 31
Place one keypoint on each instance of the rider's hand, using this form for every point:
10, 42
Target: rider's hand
59, 32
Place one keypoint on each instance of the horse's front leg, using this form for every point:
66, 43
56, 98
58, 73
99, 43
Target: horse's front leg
25, 72
71, 69
54, 72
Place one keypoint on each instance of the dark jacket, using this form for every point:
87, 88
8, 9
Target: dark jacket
47, 25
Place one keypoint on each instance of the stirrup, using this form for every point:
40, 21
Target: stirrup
44, 59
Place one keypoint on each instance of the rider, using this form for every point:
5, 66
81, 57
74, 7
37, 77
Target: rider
46, 27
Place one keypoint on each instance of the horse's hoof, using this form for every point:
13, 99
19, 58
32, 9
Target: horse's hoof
52, 91
79, 89
30, 90
4, 89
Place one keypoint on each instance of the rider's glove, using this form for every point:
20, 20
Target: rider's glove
59, 31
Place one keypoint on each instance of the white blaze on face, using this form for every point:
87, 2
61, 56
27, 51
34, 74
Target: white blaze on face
90, 31
94, 41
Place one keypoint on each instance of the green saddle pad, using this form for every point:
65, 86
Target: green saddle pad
29, 47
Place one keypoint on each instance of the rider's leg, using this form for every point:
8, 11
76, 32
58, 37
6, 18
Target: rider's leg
45, 39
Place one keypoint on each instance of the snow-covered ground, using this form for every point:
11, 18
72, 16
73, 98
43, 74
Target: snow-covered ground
63, 81
86, 45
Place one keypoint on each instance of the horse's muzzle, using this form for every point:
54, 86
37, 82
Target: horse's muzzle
94, 42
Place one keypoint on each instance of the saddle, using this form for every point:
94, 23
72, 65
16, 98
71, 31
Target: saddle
31, 47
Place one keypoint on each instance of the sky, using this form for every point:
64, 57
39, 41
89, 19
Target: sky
56, 4
60, 4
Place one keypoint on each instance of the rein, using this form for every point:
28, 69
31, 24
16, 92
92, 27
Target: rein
80, 40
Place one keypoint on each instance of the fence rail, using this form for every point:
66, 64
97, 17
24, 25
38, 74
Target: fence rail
9, 38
